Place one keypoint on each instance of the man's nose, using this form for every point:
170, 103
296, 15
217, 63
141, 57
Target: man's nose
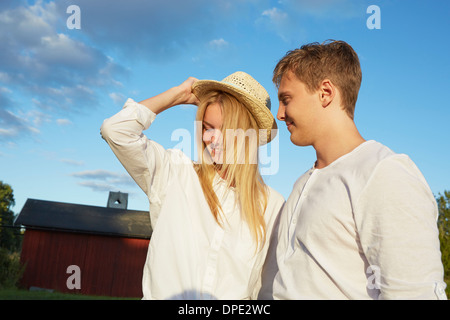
281, 112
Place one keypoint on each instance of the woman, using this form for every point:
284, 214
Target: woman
212, 219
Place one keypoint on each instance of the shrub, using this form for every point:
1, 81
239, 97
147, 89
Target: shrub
444, 234
11, 270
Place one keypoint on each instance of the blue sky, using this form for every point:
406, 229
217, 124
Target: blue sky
57, 85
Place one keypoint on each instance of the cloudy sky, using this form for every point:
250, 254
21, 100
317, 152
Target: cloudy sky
58, 84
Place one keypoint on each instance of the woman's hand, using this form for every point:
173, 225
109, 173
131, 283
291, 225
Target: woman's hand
187, 96
181, 94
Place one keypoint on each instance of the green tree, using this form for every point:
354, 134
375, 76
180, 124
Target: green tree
9, 238
11, 269
444, 234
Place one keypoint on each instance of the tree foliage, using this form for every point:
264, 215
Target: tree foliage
444, 234
9, 238
6, 197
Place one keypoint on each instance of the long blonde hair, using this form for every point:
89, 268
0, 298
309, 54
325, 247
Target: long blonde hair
242, 172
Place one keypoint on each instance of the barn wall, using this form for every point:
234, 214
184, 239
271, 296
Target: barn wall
110, 266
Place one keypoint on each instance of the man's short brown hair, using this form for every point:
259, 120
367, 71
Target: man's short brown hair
333, 60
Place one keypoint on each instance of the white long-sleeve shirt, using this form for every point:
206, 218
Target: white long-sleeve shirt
189, 256
363, 227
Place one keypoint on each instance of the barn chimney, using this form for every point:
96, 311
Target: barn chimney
117, 200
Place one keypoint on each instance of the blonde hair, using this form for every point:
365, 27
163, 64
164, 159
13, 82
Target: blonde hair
243, 175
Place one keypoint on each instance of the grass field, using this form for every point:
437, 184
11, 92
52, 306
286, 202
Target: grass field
17, 294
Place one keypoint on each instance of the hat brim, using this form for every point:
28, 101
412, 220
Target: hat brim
257, 108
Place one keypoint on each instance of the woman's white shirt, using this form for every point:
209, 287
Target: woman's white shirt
190, 256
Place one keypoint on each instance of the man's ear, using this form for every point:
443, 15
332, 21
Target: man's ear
327, 92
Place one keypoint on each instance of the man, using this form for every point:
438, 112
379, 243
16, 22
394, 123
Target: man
361, 223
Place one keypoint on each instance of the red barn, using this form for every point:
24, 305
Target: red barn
85, 249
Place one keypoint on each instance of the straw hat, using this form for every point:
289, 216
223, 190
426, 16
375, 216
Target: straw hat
247, 90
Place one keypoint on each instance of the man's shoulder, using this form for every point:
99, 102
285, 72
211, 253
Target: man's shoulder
366, 158
398, 167
373, 152
383, 158
396, 172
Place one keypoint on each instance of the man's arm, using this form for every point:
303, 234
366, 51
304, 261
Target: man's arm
396, 221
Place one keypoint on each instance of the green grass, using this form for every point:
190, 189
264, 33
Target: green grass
17, 294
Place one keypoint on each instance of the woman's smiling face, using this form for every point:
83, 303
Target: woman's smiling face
212, 135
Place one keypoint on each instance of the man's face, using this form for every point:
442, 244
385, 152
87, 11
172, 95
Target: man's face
298, 108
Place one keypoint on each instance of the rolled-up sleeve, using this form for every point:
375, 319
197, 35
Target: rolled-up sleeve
396, 218
144, 159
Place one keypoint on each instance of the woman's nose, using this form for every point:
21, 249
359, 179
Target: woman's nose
206, 136
209, 136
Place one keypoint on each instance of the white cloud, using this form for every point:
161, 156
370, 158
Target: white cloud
4, 90
117, 98
279, 21
60, 49
153, 30
97, 174
98, 186
63, 122
104, 175
53, 71
102, 180
7, 132
287, 20
275, 15
218, 44
14, 126
4, 77
60, 72
336, 9
72, 162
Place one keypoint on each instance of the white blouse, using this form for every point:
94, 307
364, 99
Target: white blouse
189, 256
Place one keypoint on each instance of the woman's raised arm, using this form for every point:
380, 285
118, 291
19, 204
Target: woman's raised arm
181, 94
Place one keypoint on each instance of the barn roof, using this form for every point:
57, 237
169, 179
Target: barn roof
40, 214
